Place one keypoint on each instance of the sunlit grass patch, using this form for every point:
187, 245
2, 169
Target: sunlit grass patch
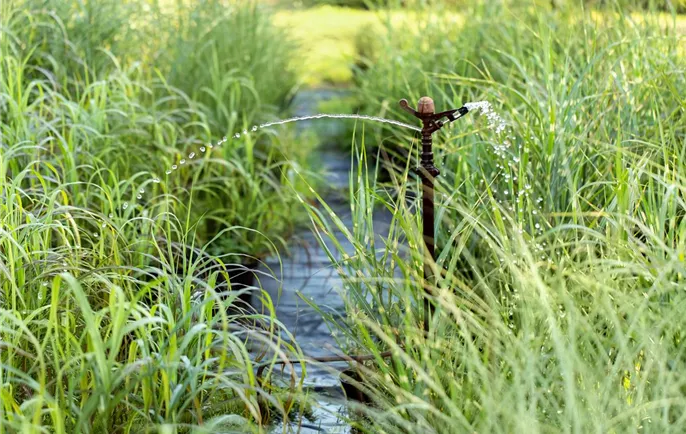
327, 36
331, 38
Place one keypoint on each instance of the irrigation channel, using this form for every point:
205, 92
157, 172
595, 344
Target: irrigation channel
308, 271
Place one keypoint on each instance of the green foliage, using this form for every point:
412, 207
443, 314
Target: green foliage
72, 41
560, 243
165, 81
230, 59
98, 335
678, 6
114, 316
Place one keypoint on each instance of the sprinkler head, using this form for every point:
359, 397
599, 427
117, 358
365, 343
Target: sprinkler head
426, 113
426, 105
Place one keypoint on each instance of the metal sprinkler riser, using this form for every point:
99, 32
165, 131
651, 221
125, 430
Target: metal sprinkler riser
431, 122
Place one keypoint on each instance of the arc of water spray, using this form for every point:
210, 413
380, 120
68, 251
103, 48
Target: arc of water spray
495, 122
342, 116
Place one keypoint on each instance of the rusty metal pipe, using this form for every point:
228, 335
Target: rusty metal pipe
431, 122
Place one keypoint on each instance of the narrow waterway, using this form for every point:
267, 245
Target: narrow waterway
308, 272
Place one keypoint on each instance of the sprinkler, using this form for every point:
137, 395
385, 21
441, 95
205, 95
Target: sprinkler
431, 122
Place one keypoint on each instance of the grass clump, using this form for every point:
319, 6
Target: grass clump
182, 92
560, 241
105, 328
114, 315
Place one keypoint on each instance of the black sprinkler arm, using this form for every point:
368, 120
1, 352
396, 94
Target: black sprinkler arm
450, 114
432, 121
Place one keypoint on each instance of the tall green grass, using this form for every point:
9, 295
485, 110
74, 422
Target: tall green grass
560, 242
104, 331
153, 83
114, 316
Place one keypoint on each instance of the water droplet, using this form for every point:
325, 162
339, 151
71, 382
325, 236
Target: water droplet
111, 215
174, 167
224, 139
156, 180
537, 226
202, 149
96, 235
104, 225
45, 283
245, 132
125, 205
182, 162
140, 196
254, 128
168, 172
141, 191
237, 136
